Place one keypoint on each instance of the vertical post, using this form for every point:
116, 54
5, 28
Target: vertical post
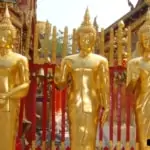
22, 108
119, 98
28, 37
33, 127
44, 109
46, 40
101, 132
111, 51
35, 52
65, 43
74, 42
53, 98
128, 107
119, 42
54, 45
102, 42
129, 43
111, 108
63, 100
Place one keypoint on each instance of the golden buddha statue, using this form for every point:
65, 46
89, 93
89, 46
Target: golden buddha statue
14, 83
138, 82
87, 77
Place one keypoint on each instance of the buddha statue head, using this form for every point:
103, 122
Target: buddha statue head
144, 34
86, 35
7, 31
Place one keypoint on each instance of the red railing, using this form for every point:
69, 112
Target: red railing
119, 101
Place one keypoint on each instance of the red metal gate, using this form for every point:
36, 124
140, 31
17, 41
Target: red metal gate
53, 131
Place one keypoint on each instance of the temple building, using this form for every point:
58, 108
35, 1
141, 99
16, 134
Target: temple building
134, 18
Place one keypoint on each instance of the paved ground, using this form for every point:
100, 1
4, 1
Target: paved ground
105, 134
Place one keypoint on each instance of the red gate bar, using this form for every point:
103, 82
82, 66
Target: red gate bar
53, 114
58, 101
44, 110
100, 129
22, 107
33, 127
119, 113
128, 114
63, 123
63, 103
111, 118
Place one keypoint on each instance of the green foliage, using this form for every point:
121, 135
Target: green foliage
59, 44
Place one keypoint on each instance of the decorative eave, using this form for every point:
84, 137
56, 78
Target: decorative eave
133, 18
139, 3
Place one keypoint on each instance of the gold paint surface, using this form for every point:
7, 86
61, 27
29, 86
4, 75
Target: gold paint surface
87, 76
138, 82
14, 83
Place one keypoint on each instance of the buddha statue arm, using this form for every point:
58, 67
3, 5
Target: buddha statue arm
103, 80
132, 76
103, 87
62, 74
18, 92
21, 89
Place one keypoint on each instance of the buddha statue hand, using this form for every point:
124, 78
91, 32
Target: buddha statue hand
3, 96
3, 99
57, 73
104, 116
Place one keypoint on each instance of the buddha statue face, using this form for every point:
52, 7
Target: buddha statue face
6, 39
86, 35
144, 34
86, 41
145, 40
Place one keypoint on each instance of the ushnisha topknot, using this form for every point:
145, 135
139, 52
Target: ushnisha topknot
6, 24
86, 25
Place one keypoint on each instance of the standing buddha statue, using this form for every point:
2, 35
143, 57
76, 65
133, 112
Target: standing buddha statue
87, 77
14, 83
138, 82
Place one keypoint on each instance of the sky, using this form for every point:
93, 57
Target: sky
61, 13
